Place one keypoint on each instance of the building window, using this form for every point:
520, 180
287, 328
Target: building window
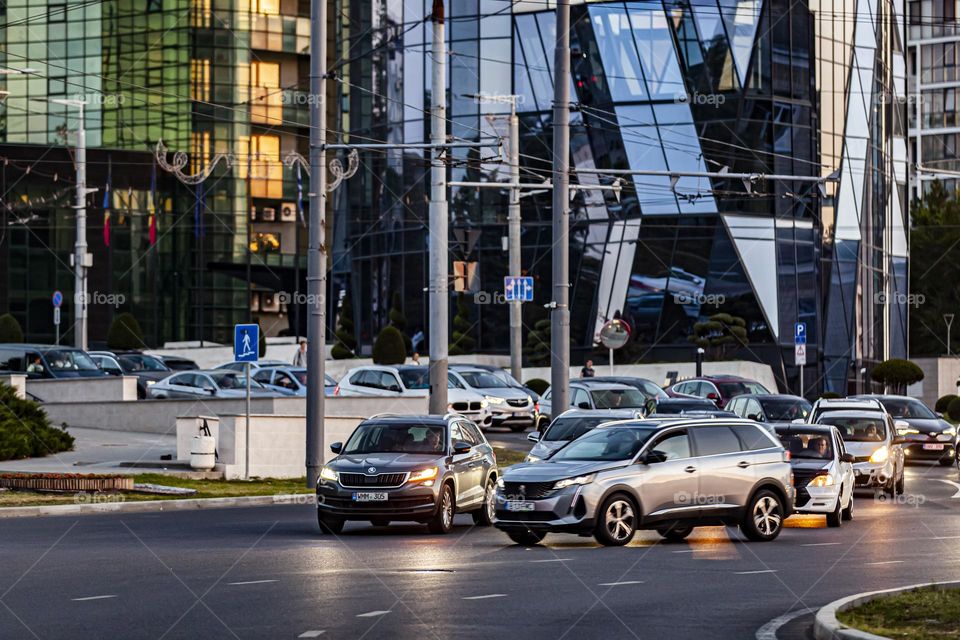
200, 80
262, 153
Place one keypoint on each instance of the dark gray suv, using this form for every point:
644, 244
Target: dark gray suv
420, 468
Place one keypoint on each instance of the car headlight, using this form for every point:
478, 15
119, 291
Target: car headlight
531, 458
880, 455
483, 404
151, 382
326, 473
944, 437
950, 431
423, 474
907, 432
493, 399
823, 480
569, 482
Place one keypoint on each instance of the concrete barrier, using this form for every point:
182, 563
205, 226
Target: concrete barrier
105, 388
18, 382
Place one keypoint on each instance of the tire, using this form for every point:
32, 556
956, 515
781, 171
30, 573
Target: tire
847, 513
836, 518
676, 533
329, 525
527, 538
890, 488
616, 521
946, 462
899, 487
442, 521
483, 517
518, 428
763, 518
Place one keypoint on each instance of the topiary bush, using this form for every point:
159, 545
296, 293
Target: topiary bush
10, 330
388, 348
346, 344
125, 333
25, 430
953, 410
537, 385
943, 402
897, 374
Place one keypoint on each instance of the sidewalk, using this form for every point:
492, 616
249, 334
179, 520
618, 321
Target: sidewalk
101, 451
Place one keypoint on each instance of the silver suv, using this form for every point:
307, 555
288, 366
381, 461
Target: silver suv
670, 475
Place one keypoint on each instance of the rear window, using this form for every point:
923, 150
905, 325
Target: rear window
617, 399
565, 429
731, 389
785, 409
715, 440
673, 408
753, 438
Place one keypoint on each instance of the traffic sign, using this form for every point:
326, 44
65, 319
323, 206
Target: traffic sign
518, 288
800, 354
57, 299
800, 333
246, 340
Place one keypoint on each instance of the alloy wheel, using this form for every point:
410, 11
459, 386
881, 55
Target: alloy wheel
619, 520
766, 515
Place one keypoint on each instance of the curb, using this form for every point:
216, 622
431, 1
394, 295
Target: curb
827, 627
146, 506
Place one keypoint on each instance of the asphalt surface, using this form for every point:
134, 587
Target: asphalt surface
265, 572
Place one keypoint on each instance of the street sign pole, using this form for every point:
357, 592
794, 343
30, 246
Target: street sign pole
800, 349
246, 448
57, 300
246, 349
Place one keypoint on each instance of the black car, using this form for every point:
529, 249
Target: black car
770, 407
38, 361
179, 363
148, 370
927, 436
649, 388
676, 406
417, 468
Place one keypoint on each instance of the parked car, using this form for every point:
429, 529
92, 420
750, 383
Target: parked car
871, 437
770, 407
209, 384
586, 393
826, 405
927, 435
420, 468
670, 476
254, 366
293, 379
508, 406
178, 363
719, 389
501, 373
572, 424
47, 361
412, 381
676, 406
148, 370
648, 388
822, 470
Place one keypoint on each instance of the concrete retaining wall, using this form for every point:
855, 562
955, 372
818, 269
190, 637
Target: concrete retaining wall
940, 376
107, 388
18, 382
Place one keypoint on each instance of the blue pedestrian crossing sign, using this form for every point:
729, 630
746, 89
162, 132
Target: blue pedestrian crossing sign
800, 333
246, 341
518, 288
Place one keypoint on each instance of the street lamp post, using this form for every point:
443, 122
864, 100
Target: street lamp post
948, 319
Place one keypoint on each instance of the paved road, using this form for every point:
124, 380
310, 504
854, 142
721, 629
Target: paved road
266, 573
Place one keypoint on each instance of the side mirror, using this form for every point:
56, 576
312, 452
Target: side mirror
848, 457
898, 440
653, 457
533, 436
460, 448
712, 396
901, 425
753, 416
394, 388
336, 447
212, 392
938, 414
583, 405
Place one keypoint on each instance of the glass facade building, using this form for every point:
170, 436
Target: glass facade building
752, 86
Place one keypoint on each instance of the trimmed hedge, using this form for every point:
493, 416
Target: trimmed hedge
388, 348
25, 430
10, 330
953, 409
125, 333
537, 385
943, 402
830, 395
897, 373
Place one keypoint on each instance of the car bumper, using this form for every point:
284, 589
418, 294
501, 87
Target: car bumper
507, 417
415, 502
565, 511
919, 450
817, 499
868, 474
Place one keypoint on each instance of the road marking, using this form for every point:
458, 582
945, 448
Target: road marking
554, 560
92, 598
313, 633
820, 544
885, 562
372, 614
953, 484
750, 573
684, 551
619, 584
237, 584
769, 630
489, 595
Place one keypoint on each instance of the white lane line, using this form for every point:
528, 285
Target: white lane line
820, 544
237, 584
885, 562
313, 633
92, 598
485, 597
372, 614
684, 551
750, 573
769, 630
952, 484
553, 560
619, 584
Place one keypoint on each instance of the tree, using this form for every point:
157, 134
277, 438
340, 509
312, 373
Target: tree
953, 410
10, 330
388, 348
399, 320
537, 348
25, 430
720, 335
897, 374
125, 333
346, 344
462, 342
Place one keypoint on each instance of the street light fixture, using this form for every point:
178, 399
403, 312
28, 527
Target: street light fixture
948, 319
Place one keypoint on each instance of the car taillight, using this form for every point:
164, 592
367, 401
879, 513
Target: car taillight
336, 390
536, 407
786, 456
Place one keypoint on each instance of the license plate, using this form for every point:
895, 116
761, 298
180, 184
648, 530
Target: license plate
933, 447
519, 505
370, 496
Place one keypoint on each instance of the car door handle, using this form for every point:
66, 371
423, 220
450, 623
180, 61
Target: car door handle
690, 469
743, 464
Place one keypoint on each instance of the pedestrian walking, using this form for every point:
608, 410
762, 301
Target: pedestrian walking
300, 357
587, 370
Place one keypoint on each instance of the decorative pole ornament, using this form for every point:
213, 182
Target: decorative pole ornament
336, 167
181, 159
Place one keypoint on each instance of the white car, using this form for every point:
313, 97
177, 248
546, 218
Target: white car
509, 407
822, 470
412, 381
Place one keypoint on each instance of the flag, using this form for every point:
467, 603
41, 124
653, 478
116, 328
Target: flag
152, 204
198, 211
300, 197
106, 203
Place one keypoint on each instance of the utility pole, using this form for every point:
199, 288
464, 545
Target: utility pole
316, 252
513, 242
439, 301
560, 316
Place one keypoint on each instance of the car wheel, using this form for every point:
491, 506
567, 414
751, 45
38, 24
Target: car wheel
483, 517
848, 512
141, 393
675, 534
527, 538
329, 524
442, 522
617, 522
946, 462
763, 519
899, 486
834, 519
518, 428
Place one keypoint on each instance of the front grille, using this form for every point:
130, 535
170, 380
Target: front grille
360, 480
802, 478
460, 407
527, 490
518, 402
861, 459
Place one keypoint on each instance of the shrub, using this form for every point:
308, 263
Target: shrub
399, 320
953, 410
462, 342
537, 385
897, 373
388, 348
345, 345
125, 333
25, 430
944, 402
10, 330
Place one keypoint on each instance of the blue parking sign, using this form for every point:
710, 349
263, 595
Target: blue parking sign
246, 341
518, 288
800, 333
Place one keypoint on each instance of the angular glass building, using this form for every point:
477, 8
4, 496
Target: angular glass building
740, 86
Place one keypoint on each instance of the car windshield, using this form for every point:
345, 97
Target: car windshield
483, 380
908, 408
69, 360
673, 408
785, 409
605, 444
651, 390
566, 429
140, 362
808, 446
617, 398
417, 378
383, 438
731, 389
233, 380
507, 378
857, 429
